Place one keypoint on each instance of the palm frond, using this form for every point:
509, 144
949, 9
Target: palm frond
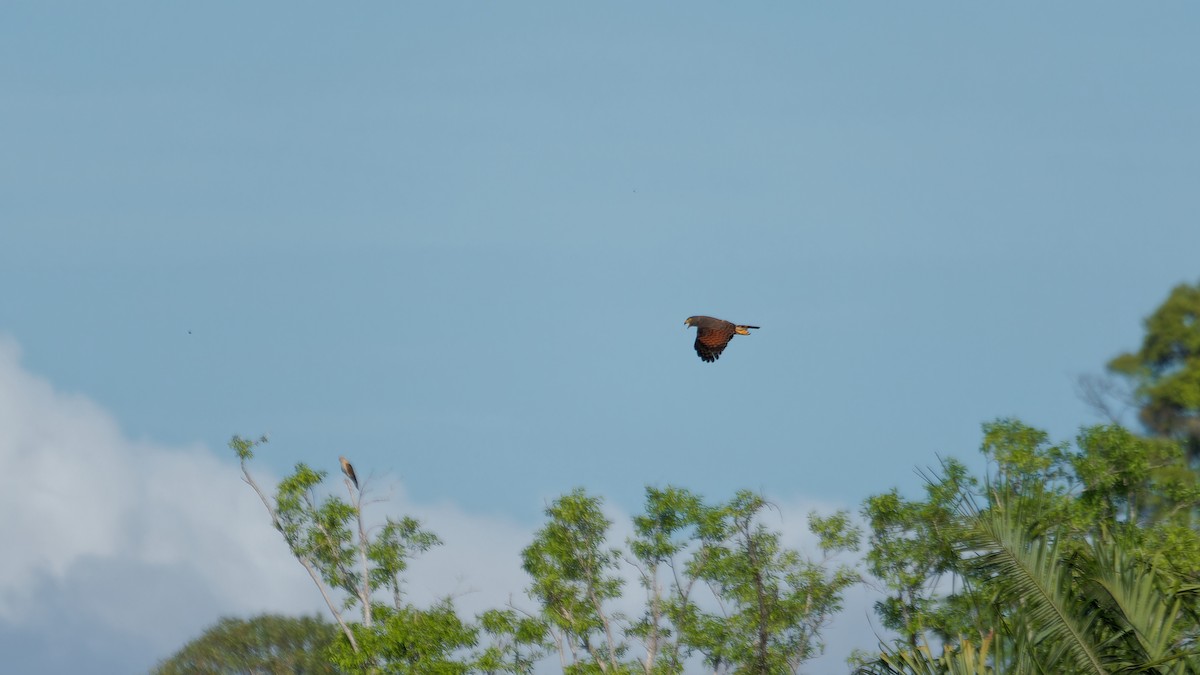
997, 548
965, 659
1133, 598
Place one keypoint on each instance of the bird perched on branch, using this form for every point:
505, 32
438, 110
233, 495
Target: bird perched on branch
349, 471
713, 334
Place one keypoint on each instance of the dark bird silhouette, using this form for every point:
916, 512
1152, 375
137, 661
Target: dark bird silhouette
349, 471
713, 334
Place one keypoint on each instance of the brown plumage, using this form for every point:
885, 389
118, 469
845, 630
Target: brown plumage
713, 334
349, 471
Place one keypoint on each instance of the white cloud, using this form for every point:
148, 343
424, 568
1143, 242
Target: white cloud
479, 563
134, 547
132, 539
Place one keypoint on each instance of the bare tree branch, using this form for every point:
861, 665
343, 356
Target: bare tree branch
364, 591
1107, 397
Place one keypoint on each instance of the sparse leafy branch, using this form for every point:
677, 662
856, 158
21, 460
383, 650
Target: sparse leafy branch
573, 578
669, 514
244, 449
910, 550
518, 641
329, 537
398, 541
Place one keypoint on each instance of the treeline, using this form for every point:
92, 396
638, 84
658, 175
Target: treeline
1061, 557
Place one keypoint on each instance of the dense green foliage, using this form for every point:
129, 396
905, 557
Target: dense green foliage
406, 639
1062, 559
267, 644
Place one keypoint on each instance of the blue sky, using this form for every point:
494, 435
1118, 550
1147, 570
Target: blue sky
457, 242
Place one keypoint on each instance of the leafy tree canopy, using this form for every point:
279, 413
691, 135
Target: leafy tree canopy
269, 643
1166, 369
1061, 558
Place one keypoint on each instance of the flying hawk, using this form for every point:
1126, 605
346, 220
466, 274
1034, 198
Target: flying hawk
713, 334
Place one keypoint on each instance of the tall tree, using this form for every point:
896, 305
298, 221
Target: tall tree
351, 568
771, 602
575, 580
1166, 369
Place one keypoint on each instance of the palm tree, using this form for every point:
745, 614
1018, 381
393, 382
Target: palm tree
1055, 601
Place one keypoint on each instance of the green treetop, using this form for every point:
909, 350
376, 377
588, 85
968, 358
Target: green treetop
1166, 370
